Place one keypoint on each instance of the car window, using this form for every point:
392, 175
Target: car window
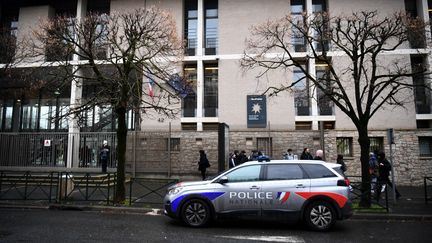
339, 170
284, 172
317, 171
248, 173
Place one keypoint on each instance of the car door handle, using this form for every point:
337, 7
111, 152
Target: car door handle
254, 188
300, 186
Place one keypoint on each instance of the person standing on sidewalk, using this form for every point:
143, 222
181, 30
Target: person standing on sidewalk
203, 164
383, 177
306, 155
339, 160
104, 155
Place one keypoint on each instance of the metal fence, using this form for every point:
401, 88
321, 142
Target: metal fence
72, 187
33, 149
51, 149
143, 191
57, 187
40, 186
89, 146
87, 187
379, 193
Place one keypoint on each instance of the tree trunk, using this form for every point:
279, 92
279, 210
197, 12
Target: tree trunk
121, 152
364, 141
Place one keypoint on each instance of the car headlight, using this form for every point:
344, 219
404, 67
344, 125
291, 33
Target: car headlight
174, 190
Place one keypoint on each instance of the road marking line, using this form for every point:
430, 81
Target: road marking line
293, 239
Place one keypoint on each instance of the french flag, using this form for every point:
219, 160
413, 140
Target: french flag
151, 83
283, 196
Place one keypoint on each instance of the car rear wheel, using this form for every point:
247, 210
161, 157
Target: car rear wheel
320, 216
195, 213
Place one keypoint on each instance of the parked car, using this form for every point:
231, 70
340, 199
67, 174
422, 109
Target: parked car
314, 192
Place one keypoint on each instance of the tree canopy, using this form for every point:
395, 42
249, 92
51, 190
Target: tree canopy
364, 72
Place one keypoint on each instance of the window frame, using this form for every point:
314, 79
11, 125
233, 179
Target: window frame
267, 170
350, 146
427, 139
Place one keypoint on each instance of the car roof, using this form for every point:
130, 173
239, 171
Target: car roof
332, 165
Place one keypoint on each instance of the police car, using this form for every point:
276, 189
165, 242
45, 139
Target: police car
314, 192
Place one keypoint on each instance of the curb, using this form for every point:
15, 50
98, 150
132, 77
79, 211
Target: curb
391, 216
148, 211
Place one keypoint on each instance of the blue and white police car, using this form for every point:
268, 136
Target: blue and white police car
314, 192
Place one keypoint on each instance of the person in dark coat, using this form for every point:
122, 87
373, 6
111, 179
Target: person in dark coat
384, 168
339, 160
203, 164
306, 155
104, 156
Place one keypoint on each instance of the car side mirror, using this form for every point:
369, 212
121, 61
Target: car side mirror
223, 180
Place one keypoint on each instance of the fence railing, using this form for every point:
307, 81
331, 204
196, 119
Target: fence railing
378, 193
16, 185
426, 186
89, 187
51, 149
148, 191
70, 187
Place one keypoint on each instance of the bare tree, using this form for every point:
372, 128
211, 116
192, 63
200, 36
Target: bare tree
367, 80
119, 54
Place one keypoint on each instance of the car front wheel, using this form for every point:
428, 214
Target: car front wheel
320, 216
195, 213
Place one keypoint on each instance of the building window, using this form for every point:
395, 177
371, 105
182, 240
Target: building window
175, 144
424, 124
325, 105
319, 7
6, 115
211, 27
422, 94
301, 93
344, 146
376, 144
425, 146
191, 25
99, 117
416, 37
210, 90
297, 10
102, 9
29, 117
430, 9
189, 102
56, 46
264, 145
8, 32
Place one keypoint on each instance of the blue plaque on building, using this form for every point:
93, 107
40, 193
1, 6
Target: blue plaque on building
256, 111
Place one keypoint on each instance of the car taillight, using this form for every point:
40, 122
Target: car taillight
344, 182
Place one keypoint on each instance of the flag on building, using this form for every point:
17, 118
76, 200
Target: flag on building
151, 83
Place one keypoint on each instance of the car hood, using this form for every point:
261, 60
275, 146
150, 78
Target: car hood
191, 183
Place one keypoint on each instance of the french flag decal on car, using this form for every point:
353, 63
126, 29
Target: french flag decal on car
282, 196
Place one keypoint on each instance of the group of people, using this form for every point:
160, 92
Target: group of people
305, 155
379, 170
238, 158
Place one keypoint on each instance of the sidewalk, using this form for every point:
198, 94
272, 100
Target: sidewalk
411, 206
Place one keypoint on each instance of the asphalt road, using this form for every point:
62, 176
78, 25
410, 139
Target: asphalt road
40, 225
